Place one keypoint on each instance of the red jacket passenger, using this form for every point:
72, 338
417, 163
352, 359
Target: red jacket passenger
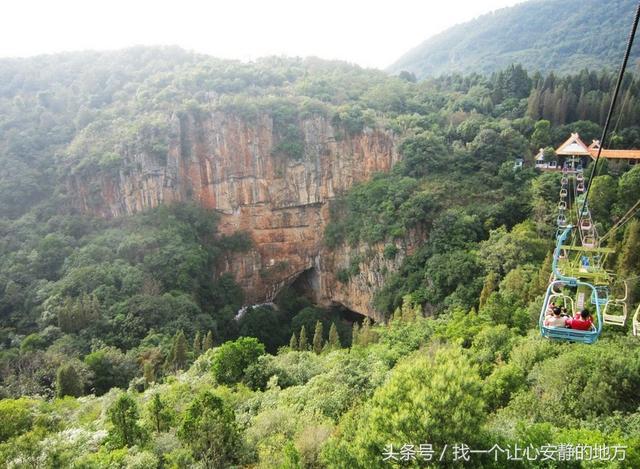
581, 321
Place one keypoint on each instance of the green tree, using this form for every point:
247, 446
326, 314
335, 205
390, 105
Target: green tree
303, 343
410, 309
123, 416
265, 324
334, 337
355, 333
209, 430
16, 416
602, 195
148, 372
68, 381
490, 285
110, 368
208, 341
629, 259
291, 457
293, 342
433, 398
629, 188
423, 154
178, 356
317, 338
541, 137
232, 358
197, 344
544, 273
161, 416
366, 335
79, 313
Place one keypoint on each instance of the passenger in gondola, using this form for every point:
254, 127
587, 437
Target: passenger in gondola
584, 264
581, 321
563, 312
555, 319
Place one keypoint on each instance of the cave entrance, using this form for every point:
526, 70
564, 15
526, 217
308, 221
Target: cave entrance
347, 315
300, 304
307, 284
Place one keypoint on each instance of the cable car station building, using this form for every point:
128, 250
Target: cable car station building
573, 153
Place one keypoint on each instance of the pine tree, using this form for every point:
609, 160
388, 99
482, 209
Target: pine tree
160, 415
210, 431
581, 109
293, 342
490, 285
317, 338
544, 273
179, 351
410, 311
334, 338
303, 343
125, 430
630, 252
208, 342
397, 315
533, 105
629, 259
68, 382
355, 334
197, 344
149, 373
365, 333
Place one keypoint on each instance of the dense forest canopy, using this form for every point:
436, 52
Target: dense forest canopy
562, 36
119, 345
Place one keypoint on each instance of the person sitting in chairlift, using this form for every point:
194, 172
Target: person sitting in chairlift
555, 319
584, 264
581, 321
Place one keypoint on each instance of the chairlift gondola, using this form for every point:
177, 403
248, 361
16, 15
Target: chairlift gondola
586, 224
565, 333
562, 205
584, 212
589, 240
562, 221
563, 192
615, 311
600, 295
580, 187
582, 288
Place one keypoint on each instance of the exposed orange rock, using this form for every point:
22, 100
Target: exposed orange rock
227, 163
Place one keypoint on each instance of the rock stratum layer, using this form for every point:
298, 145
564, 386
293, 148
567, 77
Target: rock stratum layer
229, 164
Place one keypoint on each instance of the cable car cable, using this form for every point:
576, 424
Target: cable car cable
627, 53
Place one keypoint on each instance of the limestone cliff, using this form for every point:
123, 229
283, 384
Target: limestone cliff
233, 165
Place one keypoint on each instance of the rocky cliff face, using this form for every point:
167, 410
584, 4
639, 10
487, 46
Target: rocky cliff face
232, 165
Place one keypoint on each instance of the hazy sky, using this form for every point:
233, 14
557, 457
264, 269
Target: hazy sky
371, 33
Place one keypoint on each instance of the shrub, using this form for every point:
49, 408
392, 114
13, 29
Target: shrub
231, 359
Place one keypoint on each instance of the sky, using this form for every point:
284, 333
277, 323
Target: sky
370, 33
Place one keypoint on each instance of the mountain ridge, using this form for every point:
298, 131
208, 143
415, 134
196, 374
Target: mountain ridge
513, 35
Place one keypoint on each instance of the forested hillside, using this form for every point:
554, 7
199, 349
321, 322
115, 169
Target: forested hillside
562, 36
120, 339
